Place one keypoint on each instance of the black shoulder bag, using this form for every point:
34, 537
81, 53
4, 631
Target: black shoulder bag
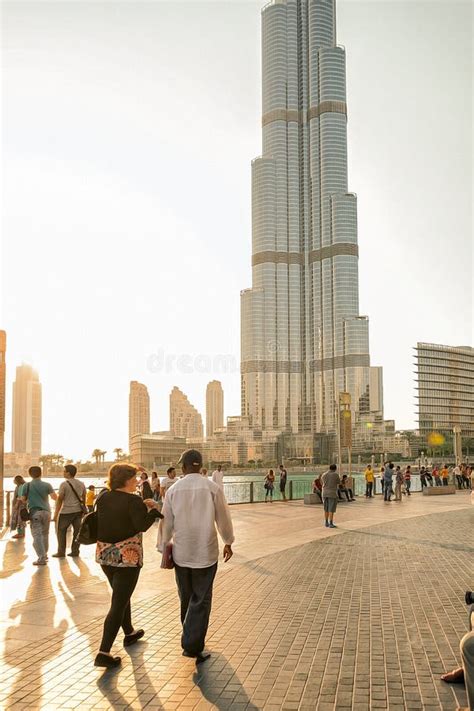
88, 530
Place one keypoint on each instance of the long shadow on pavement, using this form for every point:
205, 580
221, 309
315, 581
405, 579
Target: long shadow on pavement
40, 581
209, 678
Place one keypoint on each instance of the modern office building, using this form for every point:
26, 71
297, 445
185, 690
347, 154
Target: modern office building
26, 416
185, 420
445, 389
138, 411
303, 340
214, 407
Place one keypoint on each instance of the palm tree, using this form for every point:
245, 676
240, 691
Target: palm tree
102, 454
97, 454
118, 453
46, 460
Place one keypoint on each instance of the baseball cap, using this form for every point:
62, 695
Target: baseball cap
191, 458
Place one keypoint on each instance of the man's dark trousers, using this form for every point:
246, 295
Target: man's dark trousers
64, 521
195, 593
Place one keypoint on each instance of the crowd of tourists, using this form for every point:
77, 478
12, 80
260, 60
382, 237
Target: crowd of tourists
191, 509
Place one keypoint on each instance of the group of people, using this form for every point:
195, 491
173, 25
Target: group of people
461, 475
394, 481
269, 483
191, 509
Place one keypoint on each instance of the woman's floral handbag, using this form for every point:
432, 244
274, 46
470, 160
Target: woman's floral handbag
123, 554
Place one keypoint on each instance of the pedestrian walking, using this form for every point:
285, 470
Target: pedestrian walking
36, 495
70, 508
90, 498
398, 483
330, 481
458, 476
204, 472
218, 476
436, 476
145, 489
283, 478
445, 475
467, 476
16, 522
407, 480
122, 517
194, 508
423, 478
369, 481
155, 486
167, 481
387, 481
269, 485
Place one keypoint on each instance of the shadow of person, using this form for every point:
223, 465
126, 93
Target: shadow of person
15, 646
208, 677
78, 610
13, 558
107, 683
140, 673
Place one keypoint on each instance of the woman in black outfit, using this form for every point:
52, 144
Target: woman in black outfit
122, 516
146, 491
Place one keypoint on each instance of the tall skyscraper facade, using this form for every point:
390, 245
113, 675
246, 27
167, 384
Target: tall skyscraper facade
27, 404
185, 420
214, 407
138, 411
302, 338
445, 389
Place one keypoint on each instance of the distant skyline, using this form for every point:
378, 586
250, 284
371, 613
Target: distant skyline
128, 131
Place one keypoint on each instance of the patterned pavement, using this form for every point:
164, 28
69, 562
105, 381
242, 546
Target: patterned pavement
365, 619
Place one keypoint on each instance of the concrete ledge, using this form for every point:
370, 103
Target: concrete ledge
438, 490
310, 499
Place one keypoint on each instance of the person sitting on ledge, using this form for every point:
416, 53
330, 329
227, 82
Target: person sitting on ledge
318, 487
345, 489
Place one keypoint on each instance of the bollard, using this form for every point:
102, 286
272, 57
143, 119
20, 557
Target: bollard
290, 491
251, 492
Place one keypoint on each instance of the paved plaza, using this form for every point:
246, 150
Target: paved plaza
363, 617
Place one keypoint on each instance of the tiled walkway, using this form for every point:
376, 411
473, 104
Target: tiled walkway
365, 617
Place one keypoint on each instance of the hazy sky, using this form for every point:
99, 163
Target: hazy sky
127, 134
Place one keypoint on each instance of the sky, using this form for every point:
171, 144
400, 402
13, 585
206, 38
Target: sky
128, 129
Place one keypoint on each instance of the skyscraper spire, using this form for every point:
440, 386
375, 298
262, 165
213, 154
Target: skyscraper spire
303, 340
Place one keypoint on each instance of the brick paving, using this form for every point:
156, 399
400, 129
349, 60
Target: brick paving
365, 619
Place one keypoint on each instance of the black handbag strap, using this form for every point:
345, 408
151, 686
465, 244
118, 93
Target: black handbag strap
75, 493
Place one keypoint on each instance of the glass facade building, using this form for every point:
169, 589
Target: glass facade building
445, 389
302, 338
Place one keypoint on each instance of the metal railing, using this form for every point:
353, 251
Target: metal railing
252, 492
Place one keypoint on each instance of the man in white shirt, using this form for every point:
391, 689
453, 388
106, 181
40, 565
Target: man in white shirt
192, 510
167, 481
218, 476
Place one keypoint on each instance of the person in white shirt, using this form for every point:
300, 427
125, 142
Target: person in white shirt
167, 481
218, 476
194, 507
